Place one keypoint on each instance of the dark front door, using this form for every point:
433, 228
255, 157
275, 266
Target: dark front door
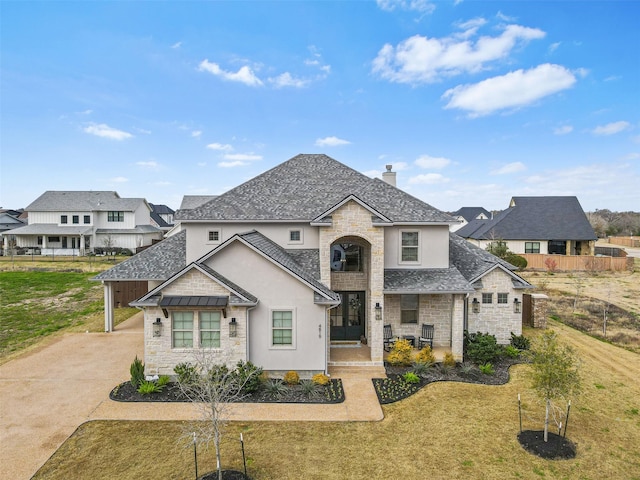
347, 319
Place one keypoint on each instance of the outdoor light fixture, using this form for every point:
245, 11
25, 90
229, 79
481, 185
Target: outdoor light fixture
517, 306
233, 327
157, 327
475, 305
378, 311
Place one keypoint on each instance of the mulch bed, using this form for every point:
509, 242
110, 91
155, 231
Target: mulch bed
331, 393
394, 388
555, 448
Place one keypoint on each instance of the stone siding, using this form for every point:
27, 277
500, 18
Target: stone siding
494, 318
159, 356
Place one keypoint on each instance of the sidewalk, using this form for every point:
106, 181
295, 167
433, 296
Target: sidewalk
47, 393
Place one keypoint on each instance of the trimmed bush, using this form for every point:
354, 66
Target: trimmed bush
248, 376
425, 356
520, 342
449, 360
481, 348
291, 378
320, 379
400, 354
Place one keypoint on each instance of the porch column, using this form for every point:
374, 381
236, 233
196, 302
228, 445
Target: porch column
457, 326
108, 306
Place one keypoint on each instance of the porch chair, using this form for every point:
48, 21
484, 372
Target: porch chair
388, 338
426, 337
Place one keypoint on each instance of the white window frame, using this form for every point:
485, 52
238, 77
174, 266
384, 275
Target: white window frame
212, 232
291, 346
402, 247
300, 241
203, 330
173, 330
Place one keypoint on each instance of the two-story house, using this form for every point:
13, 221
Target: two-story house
308, 256
79, 222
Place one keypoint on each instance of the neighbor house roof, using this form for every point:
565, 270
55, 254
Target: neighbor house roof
534, 218
82, 201
52, 229
158, 262
193, 201
471, 213
304, 187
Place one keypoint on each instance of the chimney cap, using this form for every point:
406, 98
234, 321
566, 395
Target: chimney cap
389, 167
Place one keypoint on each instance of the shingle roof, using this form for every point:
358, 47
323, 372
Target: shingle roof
161, 209
304, 187
471, 213
193, 201
426, 280
158, 262
535, 218
82, 201
137, 229
52, 229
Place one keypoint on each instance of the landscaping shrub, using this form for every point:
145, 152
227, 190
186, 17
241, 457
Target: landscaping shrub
520, 341
275, 388
487, 368
320, 379
517, 261
421, 369
186, 372
400, 354
481, 348
147, 387
411, 377
511, 351
291, 378
449, 360
425, 356
137, 372
309, 388
163, 380
248, 376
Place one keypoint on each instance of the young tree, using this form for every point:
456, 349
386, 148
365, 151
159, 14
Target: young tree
213, 387
554, 374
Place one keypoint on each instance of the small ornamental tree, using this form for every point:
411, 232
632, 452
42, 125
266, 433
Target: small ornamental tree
554, 375
212, 386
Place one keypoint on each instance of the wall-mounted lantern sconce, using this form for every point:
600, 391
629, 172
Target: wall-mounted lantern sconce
233, 327
378, 311
517, 306
157, 328
475, 306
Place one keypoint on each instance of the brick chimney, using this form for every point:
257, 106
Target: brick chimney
389, 176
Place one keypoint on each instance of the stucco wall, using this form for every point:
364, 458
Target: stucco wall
433, 243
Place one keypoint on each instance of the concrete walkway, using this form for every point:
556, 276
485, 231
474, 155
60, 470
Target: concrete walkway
47, 393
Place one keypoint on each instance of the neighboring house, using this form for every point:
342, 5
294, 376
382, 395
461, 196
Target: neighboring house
554, 225
9, 220
468, 214
79, 222
161, 217
308, 255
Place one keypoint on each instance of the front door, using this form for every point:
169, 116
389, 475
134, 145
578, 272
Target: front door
347, 319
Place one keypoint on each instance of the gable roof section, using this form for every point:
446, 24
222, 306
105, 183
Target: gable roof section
376, 216
238, 296
534, 218
474, 263
425, 281
304, 187
193, 201
158, 262
279, 256
471, 213
83, 201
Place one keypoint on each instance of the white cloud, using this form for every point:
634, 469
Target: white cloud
428, 179
331, 142
421, 59
85, 112
515, 89
422, 6
105, 131
220, 147
196, 133
142, 130
611, 128
427, 161
242, 157
563, 130
119, 180
287, 80
176, 45
553, 47
509, 168
237, 163
150, 164
244, 75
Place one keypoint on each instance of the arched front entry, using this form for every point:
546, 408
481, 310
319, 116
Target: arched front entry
350, 265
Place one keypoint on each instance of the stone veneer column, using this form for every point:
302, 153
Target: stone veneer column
353, 220
457, 327
539, 304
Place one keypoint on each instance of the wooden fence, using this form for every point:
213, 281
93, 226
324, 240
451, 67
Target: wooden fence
577, 263
633, 242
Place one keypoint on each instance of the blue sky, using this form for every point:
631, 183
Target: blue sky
472, 102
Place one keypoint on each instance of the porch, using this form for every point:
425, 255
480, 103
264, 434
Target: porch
356, 354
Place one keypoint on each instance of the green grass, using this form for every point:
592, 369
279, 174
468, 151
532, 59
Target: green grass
36, 304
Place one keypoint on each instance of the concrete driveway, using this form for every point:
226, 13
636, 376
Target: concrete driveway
48, 392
